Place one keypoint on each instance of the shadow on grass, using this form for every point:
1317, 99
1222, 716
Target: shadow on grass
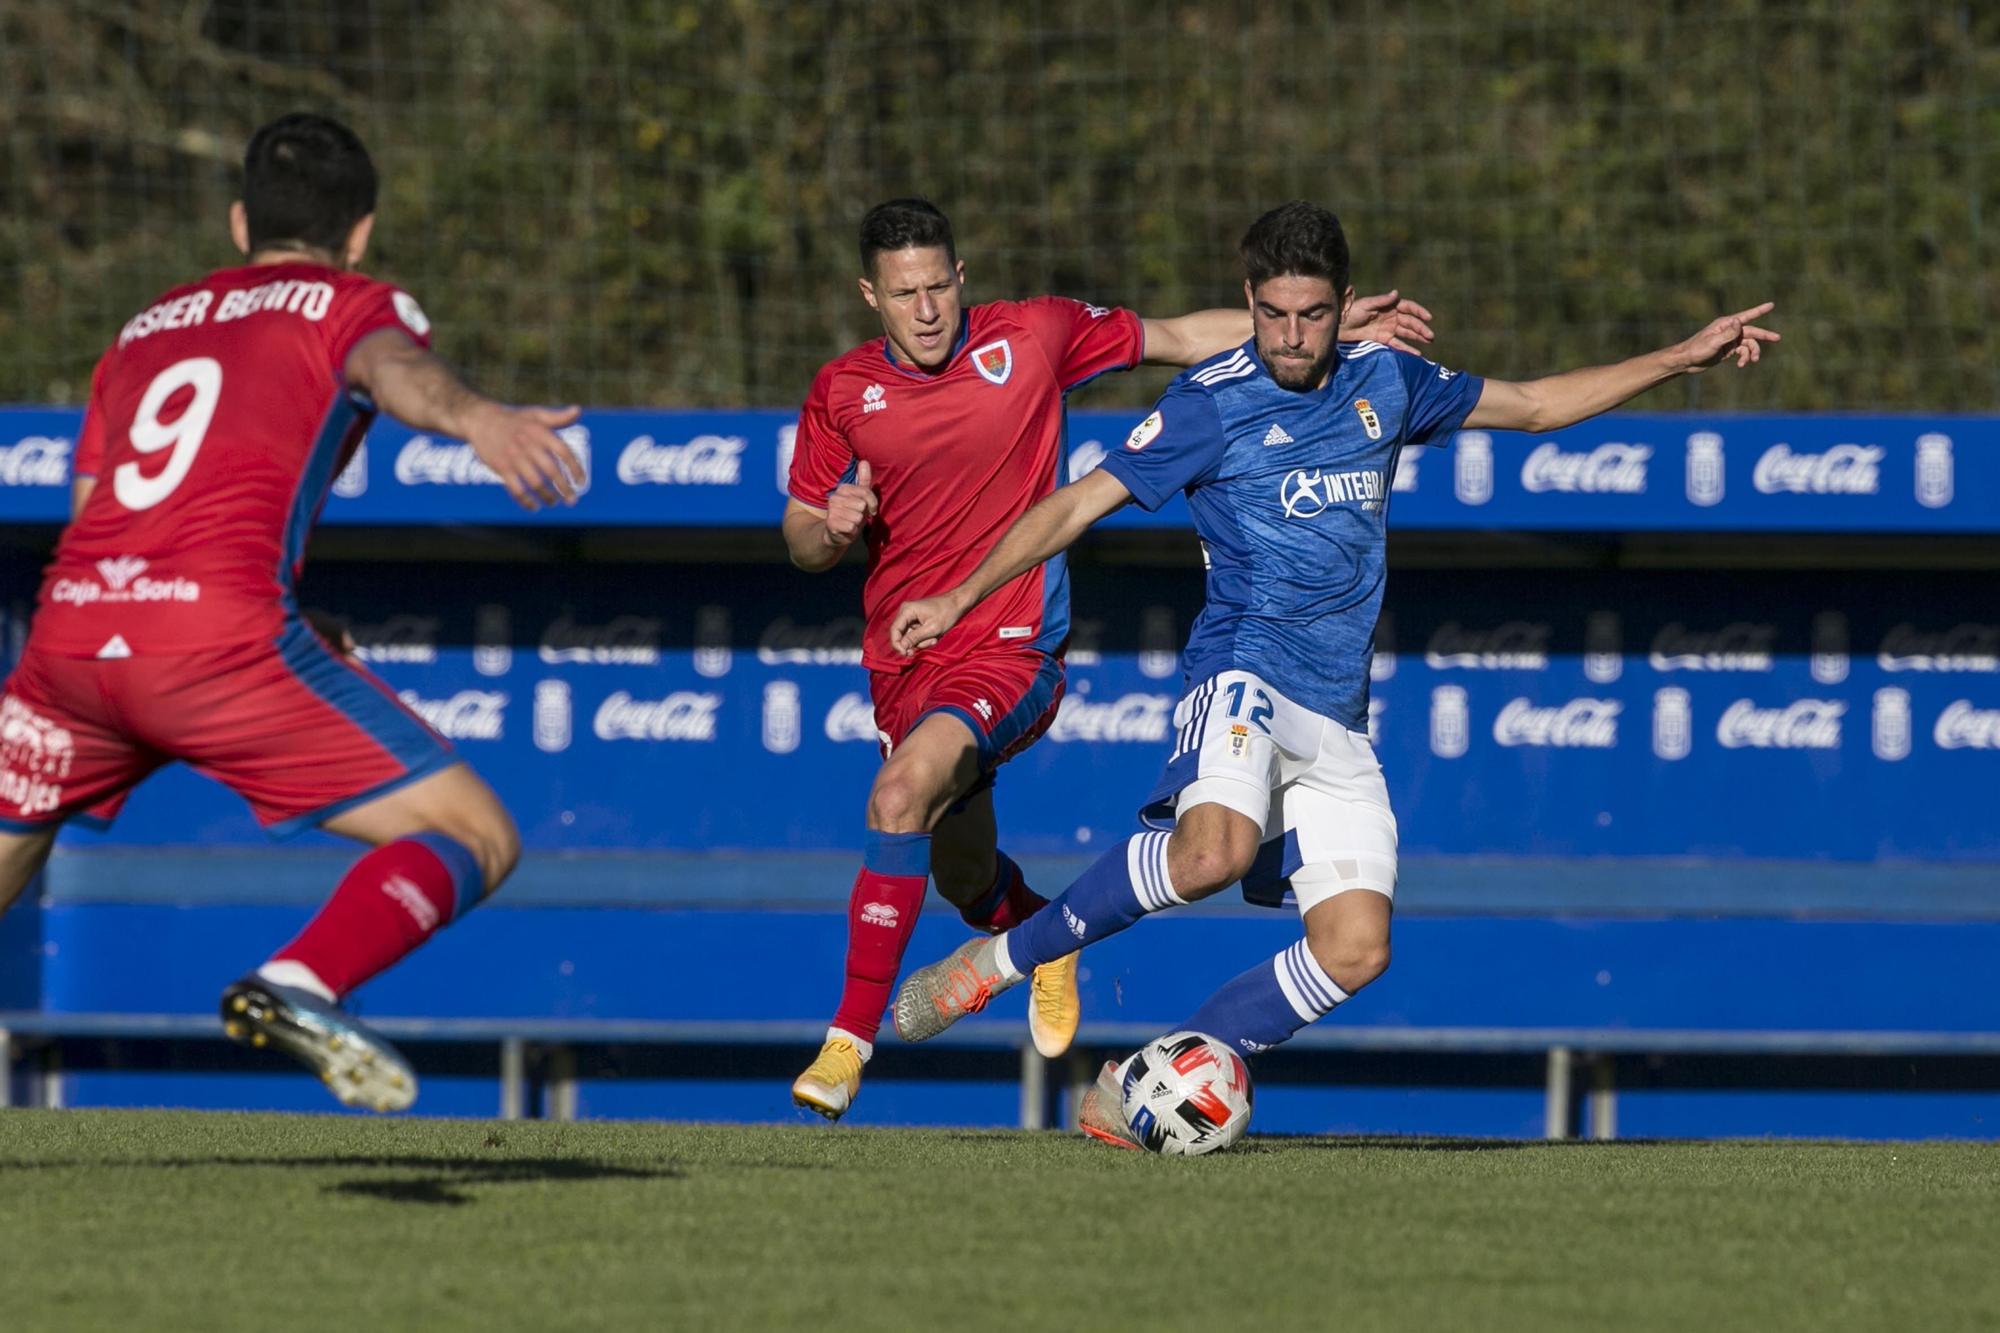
428, 1180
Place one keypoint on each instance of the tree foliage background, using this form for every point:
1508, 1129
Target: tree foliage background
653, 202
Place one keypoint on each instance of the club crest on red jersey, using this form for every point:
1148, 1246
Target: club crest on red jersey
994, 361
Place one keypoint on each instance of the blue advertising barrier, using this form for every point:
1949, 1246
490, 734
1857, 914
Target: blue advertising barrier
1624, 473
1601, 715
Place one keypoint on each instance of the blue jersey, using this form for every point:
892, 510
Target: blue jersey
1290, 494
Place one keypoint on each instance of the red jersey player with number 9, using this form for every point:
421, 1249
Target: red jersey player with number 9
930, 441
167, 628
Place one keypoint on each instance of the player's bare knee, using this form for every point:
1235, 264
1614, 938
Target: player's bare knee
1351, 962
898, 805
1205, 866
490, 835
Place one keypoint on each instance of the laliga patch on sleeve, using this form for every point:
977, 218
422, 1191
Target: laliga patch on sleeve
412, 314
1144, 433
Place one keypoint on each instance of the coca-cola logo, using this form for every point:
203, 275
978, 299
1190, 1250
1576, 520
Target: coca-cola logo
398, 639
1609, 468
423, 461
684, 715
1967, 647
785, 642
35, 460
1129, 718
1512, 645
852, 718
705, 460
1845, 469
1590, 724
1807, 724
623, 641
1962, 727
469, 715
1737, 646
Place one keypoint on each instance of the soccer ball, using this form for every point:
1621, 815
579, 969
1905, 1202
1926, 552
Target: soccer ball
1186, 1094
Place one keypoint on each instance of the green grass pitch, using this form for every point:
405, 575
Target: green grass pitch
166, 1220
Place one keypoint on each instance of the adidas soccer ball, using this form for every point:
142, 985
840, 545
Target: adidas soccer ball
1186, 1094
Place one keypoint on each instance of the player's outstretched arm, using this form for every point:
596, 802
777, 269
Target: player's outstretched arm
1049, 527
817, 538
520, 444
1563, 400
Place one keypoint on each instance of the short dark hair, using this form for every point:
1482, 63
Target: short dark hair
1296, 238
900, 224
307, 180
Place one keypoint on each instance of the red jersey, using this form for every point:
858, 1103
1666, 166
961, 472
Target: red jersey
955, 457
217, 421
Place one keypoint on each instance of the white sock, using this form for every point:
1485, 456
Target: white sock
285, 972
867, 1048
1004, 960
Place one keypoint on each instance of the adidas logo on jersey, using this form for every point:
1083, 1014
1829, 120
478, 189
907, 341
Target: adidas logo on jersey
1276, 436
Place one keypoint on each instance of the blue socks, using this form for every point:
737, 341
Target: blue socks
1269, 1003
1127, 882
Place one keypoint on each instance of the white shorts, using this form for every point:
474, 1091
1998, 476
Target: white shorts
1313, 786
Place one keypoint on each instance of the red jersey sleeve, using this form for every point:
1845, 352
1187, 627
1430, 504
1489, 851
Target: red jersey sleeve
1086, 340
89, 455
361, 310
821, 455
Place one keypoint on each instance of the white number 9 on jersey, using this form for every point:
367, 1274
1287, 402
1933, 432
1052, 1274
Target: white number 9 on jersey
183, 435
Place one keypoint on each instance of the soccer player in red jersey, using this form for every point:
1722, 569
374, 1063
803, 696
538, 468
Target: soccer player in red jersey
929, 442
167, 629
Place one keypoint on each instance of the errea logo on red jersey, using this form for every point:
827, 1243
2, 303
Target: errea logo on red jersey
874, 398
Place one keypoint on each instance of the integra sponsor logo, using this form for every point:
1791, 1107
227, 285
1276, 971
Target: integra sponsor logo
706, 460
35, 460
1308, 493
423, 461
787, 643
624, 641
1808, 724
1961, 648
1845, 469
469, 715
1128, 718
684, 715
1962, 727
1590, 724
1613, 468
397, 639
1513, 645
852, 718
1737, 646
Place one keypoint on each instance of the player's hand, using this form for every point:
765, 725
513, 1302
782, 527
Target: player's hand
1731, 336
1388, 319
520, 444
922, 623
851, 506
332, 629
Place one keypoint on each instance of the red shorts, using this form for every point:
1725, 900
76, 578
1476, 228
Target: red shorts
288, 725
1007, 698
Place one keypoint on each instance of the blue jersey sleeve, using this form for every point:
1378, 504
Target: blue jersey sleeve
1440, 399
1171, 450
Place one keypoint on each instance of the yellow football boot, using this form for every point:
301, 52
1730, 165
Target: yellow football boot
1053, 1006
830, 1082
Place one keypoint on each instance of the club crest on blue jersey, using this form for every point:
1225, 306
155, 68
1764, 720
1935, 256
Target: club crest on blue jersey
1369, 421
994, 361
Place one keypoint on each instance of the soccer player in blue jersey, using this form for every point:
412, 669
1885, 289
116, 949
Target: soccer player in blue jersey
1286, 447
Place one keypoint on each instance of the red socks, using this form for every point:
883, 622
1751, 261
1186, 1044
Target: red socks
390, 901
881, 916
1007, 904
